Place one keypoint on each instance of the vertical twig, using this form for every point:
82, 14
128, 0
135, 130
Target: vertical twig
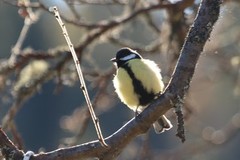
29, 18
80, 75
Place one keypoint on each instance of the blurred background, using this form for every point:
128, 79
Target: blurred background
42, 106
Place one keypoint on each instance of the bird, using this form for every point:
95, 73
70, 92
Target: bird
137, 82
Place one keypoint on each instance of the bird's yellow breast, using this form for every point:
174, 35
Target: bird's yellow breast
146, 71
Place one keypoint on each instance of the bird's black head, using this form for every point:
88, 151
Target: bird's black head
124, 55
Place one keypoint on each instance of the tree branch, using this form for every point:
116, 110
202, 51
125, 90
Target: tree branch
198, 35
8, 149
178, 86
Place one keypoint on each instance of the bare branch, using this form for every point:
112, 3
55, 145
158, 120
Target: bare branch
178, 86
80, 75
173, 95
8, 149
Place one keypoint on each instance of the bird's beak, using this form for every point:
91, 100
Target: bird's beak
113, 60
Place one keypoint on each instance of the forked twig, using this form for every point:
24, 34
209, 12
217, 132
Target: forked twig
80, 75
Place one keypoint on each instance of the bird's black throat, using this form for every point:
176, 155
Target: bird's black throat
144, 96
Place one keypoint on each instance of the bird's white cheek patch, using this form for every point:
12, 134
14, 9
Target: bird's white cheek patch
130, 56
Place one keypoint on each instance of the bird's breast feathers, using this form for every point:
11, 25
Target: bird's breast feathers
146, 71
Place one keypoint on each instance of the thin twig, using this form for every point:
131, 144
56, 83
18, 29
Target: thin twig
17, 47
17, 138
30, 18
80, 75
104, 80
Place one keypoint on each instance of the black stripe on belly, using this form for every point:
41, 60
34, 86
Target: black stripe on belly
144, 97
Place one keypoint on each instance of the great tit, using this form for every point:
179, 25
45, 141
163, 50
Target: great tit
137, 82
